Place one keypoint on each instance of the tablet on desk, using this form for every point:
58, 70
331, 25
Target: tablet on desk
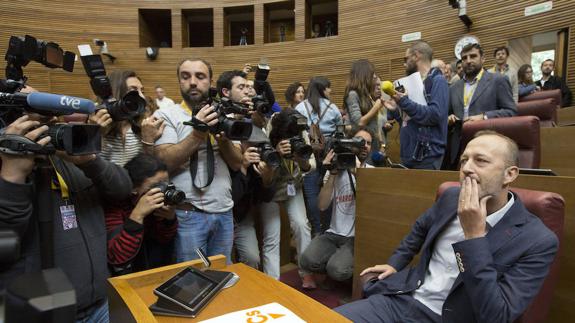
190, 289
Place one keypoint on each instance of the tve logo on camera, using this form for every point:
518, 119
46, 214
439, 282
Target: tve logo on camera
71, 102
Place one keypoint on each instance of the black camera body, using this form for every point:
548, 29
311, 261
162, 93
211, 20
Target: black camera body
234, 129
22, 50
75, 139
299, 147
265, 97
345, 150
172, 196
268, 154
129, 107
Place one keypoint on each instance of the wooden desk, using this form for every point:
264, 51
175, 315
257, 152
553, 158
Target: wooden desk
566, 116
130, 295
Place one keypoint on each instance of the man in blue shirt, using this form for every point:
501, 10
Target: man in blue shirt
423, 133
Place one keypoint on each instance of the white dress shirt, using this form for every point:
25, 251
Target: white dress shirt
442, 269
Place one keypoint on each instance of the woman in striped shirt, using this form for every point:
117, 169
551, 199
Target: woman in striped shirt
123, 140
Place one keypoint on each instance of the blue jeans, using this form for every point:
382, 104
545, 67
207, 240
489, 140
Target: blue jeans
211, 232
311, 192
98, 315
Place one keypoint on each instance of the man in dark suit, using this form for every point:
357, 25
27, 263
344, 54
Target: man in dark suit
552, 82
483, 256
478, 95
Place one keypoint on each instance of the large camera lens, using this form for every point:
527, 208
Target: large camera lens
300, 148
75, 139
235, 129
130, 106
172, 196
269, 155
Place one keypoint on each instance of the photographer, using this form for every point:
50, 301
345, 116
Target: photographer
332, 251
324, 116
123, 140
205, 218
141, 230
297, 159
79, 237
252, 185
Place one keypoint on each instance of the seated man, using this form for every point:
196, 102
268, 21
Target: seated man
332, 252
483, 255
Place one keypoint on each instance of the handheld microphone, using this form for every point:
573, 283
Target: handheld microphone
47, 103
388, 88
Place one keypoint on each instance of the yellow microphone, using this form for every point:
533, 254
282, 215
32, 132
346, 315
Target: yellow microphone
388, 88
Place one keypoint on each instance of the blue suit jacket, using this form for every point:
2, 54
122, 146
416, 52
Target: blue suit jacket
502, 272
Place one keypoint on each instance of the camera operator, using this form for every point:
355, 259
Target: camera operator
252, 185
297, 159
141, 230
123, 140
205, 218
79, 236
332, 251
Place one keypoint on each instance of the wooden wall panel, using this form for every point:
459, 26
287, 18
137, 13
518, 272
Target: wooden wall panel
367, 29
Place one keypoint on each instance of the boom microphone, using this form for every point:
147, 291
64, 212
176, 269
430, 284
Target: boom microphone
47, 103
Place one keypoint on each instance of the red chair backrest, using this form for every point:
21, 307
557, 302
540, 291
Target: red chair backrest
553, 94
544, 109
550, 208
523, 130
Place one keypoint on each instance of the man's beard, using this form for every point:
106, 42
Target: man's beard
194, 101
546, 73
470, 73
410, 69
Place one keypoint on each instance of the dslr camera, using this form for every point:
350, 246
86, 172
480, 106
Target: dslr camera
172, 196
235, 129
299, 147
74, 139
265, 97
268, 154
129, 107
345, 150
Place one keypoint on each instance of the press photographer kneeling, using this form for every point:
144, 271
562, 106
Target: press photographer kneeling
141, 230
332, 251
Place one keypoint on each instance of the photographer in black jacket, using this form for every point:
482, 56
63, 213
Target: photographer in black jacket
79, 234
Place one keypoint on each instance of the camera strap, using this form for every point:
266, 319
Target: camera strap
210, 165
351, 183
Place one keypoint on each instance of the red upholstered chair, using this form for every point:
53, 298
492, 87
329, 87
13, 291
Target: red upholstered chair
552, 94
550, 208
523, 130
544, 109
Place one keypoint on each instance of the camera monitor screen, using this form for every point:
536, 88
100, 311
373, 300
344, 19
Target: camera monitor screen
187, 288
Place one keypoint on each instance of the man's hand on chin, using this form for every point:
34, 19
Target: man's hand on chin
471, 210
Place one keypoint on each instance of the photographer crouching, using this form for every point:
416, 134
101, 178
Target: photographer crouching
287, 136
332, 251
76, 218
141, 230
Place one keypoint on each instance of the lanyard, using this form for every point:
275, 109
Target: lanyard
189, 111
468, 94
63, 186
289, 167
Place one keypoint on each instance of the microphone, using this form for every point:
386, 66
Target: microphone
48, 103
388, 88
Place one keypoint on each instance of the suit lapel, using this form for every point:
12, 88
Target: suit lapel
503, 232
481, 87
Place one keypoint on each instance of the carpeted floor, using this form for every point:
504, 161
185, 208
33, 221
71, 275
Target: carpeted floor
330, 298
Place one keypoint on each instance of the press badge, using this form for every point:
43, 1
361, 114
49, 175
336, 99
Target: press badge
68, 214
290, 189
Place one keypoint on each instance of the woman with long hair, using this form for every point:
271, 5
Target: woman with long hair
525, 78
295, 94
359, 101
318, 108
125, 139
